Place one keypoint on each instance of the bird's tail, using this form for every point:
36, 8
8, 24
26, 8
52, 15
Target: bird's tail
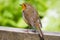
40, 34
41, 38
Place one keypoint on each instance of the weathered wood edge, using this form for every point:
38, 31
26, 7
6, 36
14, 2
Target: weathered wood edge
19, 30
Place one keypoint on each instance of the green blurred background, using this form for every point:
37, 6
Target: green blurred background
49, 11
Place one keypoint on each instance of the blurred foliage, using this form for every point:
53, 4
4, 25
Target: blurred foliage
49, 11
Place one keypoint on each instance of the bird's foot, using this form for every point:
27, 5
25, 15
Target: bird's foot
32, 30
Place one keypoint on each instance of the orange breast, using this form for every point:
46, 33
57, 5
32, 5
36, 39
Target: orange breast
23, 6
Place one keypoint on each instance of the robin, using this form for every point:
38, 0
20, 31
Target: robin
31, 17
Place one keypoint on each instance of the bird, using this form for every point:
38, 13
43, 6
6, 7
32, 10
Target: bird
31, 17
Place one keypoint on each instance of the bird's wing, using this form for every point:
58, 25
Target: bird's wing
25, 19
37, 20
28, 18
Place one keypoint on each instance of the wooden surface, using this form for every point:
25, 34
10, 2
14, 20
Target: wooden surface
7, 33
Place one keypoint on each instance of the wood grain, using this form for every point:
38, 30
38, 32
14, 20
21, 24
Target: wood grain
8, 33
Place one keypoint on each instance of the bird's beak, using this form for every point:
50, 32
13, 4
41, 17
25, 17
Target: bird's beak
23, 6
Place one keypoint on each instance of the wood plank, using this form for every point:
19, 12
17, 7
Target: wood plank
8, 33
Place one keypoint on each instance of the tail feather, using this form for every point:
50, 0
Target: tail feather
41, 38
40, 34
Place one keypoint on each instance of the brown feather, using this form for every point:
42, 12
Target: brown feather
31, 17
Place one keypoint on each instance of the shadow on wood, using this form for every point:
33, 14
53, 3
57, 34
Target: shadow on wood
7, 33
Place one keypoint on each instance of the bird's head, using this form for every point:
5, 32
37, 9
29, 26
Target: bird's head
26, 6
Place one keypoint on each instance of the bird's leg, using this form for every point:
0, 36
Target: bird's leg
34, 30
